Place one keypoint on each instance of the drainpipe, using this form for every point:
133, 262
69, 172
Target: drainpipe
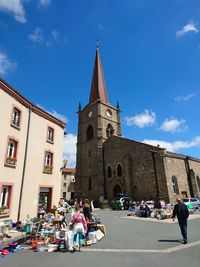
24, 165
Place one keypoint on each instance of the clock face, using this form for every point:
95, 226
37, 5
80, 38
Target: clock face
90, 114
108, 113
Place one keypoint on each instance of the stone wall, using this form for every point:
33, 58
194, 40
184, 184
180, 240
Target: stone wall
138, 179
194, 165
175, 167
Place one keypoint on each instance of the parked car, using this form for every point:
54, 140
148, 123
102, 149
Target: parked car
192, 200
121, 203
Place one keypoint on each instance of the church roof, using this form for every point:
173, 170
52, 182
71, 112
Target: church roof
98, 87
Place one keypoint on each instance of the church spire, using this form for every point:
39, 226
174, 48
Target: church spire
98, 87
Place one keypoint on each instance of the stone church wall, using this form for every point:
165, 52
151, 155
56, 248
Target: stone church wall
175, 167
138, 179
194, 165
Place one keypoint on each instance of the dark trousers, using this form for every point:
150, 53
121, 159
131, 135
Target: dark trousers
183, 227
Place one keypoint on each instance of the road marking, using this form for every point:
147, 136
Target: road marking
173, 249
167, 250
122, 250
129, 250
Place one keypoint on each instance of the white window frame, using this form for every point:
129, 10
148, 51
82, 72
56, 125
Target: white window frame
48, 159
50, 134
16, 117
6, 196
11, 148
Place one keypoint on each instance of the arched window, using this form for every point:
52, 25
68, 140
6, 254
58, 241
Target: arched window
109, 130
198, 183
175, 185
119, 170
90, 132
109, 172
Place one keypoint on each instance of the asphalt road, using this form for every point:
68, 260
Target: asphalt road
129, 242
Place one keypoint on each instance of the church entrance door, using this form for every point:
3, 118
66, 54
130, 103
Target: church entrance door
117, 190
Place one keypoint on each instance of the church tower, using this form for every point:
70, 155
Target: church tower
97, 121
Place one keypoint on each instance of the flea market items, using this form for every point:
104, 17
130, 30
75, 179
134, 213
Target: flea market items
55, 234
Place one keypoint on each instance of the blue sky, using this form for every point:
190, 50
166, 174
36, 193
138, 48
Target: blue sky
150, 51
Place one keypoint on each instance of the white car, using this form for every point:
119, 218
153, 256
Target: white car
192, 200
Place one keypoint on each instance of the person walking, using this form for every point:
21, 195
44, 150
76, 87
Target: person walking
79, 226
181, 212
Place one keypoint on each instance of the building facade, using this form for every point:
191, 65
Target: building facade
67, 183
31, 145
108, 164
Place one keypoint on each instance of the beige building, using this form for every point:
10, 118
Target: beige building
109, 164
31, 145
67, 183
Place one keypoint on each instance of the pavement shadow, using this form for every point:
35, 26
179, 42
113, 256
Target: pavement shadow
171, 241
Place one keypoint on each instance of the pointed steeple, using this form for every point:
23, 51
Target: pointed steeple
98, 87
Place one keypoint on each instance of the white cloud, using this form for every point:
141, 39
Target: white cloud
37, 36
55, 36
173, 126
44, 2
147, 118
58, 116
190, 27
69, 152
175, 146
6, 64
14, 7
184, 98
54, 113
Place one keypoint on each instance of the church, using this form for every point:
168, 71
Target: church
109, 164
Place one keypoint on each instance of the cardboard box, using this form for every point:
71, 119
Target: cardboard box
99, 234
102, 228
